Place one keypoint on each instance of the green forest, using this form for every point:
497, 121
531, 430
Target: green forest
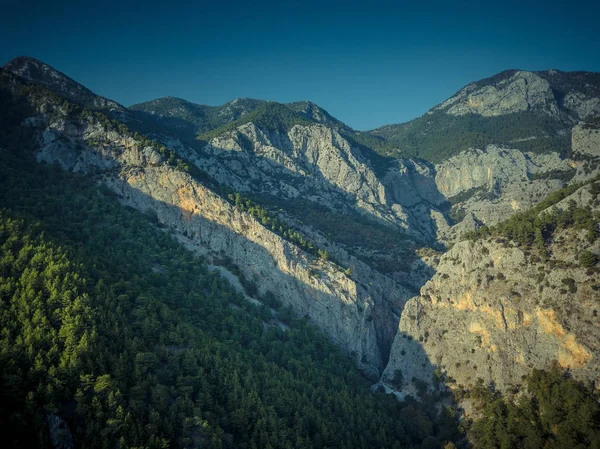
437, 136
110, 325
555, 412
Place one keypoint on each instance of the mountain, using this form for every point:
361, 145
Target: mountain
573, 95
37, 72
530, 111
117, 251
411, 267
185, 118
510, 298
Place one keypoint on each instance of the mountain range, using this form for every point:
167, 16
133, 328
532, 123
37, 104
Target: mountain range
461, 245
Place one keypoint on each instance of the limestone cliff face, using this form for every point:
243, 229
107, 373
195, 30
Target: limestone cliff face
520, 91
494, 310
586, 140
359, 312
489, 185
315, 162
492, 168
572, 96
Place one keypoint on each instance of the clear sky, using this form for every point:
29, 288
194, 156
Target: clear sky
368, 63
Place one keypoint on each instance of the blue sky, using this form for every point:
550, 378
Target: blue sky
368, 63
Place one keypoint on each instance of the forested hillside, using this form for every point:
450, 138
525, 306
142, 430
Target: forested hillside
437, 136
556, 411
112, 327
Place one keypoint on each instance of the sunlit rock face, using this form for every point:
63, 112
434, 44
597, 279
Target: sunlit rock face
494, 311
358, 310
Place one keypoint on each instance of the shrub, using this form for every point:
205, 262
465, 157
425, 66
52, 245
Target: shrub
587, 259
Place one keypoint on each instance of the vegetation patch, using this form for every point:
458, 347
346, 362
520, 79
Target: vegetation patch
554, 411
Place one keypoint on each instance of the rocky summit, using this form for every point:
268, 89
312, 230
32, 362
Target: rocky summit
463, 245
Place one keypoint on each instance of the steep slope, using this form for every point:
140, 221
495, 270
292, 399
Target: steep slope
35, 71
316, 175
518, 297
359, 311
112, 333
531, 111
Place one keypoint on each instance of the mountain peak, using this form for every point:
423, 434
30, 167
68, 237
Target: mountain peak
549, 92
34, 70
38, 72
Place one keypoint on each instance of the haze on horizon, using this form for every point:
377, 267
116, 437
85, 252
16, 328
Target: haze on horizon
368, 67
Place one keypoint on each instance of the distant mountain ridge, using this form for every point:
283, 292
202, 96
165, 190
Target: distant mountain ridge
183, 115
573, 95
531, 111
192, 119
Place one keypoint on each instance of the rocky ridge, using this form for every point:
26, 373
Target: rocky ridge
185, 118
359, 312
517, 91
35, 71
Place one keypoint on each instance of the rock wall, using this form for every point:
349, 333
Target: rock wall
495, 311
585, 140
520, 92
491, 184
315, 162
359, 312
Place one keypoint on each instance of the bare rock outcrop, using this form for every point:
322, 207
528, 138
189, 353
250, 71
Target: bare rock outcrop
494, 311
520, 92
586, 140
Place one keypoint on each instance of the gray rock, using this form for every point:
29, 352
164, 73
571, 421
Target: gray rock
586, 140
493, 311
59, 432
520, 92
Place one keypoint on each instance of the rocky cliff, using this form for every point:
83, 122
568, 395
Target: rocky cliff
359, 311
551, 92
495, 309
519, 91
318, 176
485, 186
317, 163
35, 71
586, 140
